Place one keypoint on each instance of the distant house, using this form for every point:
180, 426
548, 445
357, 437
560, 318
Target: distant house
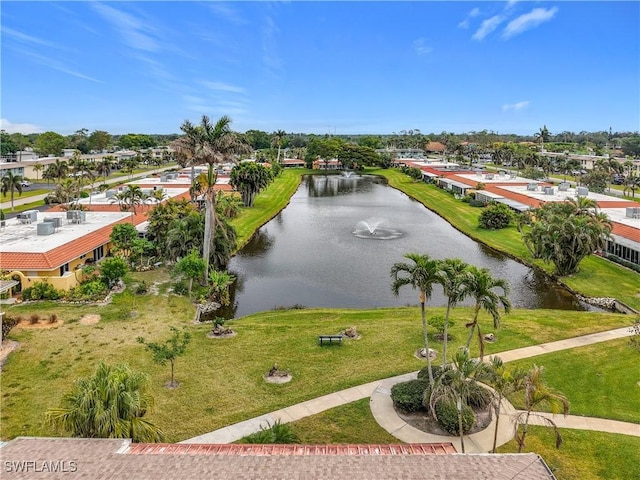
435, 147
327, 164
293, 163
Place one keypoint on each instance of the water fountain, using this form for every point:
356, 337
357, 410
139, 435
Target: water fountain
375, 229
348, 174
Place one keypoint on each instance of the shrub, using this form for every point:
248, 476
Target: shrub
34, 318
447, 415
437, 322
142, 288
88, 290
423, 374
181, 288
495, 217
477, 203
53, 318
41, 291
276, 433
408, 396
7, 324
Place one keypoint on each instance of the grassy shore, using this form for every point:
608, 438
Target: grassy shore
221, 380
597, 277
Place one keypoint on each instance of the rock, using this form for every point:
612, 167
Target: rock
351, 332
422, 353
490, 337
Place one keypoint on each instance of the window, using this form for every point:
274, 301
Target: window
64, 269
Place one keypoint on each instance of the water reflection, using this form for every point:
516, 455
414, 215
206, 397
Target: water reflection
309, 256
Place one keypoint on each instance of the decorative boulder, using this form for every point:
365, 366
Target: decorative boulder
422, 353
351, 332
490, 337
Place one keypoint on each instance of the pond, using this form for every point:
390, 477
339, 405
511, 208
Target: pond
335, 243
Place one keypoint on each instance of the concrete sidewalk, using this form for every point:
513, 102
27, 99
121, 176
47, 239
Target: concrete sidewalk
386, 416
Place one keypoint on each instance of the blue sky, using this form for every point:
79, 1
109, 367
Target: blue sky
320, 67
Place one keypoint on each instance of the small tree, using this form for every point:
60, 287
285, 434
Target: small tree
112, 270
170, 350
122, 236
495, 217
192, 266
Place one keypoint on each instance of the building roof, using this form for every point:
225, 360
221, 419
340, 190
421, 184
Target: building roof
435, 147
116, 458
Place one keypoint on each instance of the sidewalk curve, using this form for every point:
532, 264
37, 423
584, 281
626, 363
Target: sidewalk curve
384, 413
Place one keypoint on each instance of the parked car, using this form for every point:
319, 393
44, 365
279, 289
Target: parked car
25, 183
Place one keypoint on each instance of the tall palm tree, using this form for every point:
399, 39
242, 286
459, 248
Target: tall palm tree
11, 183
109, 404
542, 136
480, 286
104, 166
451, 275
209, 144
422, 274
538, 394
459, 383
278, 138
504, 381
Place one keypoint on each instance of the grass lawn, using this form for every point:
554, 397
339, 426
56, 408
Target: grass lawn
604, 379
350, 423
22, 208
222, 379
597, 277
267, 205
584, 455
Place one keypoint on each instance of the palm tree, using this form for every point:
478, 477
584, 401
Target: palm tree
210, 144
249, 178
130, 199
538, 394
104, 167
458, 382
451, 275
109, 404
421, 275
37, 167
504, 381
220, 283
278, 138
480, 286
10, 184
59, 169
542, 136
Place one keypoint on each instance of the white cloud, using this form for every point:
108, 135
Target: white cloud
24, 38
56, 64
515, 106
421, 47
25, 128
488, 26
529, 20
465, 23
226, 12
224, 87
131, 29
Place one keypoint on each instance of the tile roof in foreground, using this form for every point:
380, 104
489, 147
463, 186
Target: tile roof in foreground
116, 458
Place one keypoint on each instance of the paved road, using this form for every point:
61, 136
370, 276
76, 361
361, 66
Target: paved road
386, 416
17, 201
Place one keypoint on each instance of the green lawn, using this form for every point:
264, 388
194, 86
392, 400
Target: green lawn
222, 379
600, 380
597, 277
584, 455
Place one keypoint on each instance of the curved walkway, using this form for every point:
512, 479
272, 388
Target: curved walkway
386, 416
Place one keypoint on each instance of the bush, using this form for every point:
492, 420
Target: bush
142, 288
89, 290
34, 318
7, 324
41, 291
181, 288
408, 396
276, 433
437, 322
53, 318
423, 374
495, 217
477, 203
447, 415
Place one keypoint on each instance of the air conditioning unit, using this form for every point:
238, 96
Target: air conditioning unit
28, 216
110, 193
582, 191
489, 176
549, 190
633, 212
76, 216
56, 221
45, 228
563, 186
163, 178
532, 187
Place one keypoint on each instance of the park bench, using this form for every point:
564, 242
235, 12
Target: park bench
329, 339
